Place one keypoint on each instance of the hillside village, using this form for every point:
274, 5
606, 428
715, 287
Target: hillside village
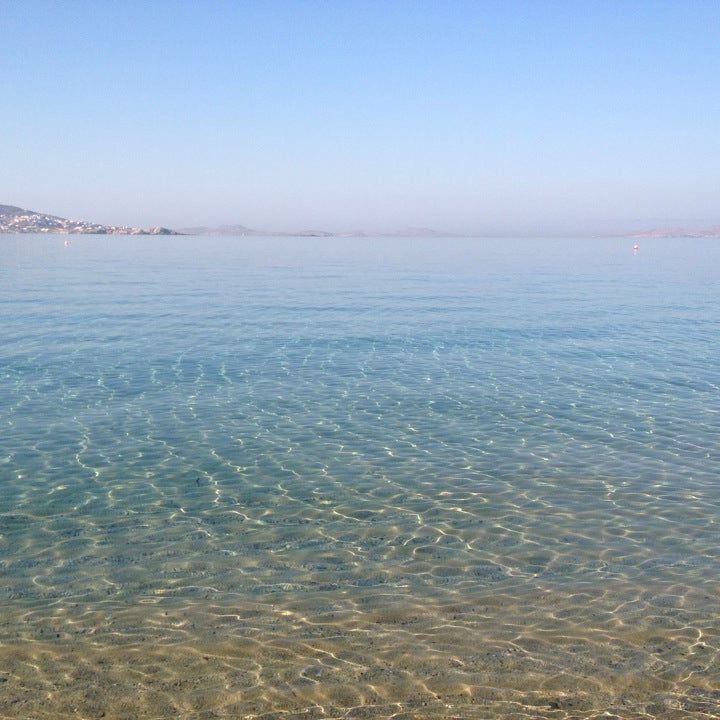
17, 220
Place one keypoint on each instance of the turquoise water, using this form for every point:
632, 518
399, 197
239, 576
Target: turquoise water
303, 478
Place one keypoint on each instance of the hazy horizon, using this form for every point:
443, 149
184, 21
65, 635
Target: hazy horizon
492, 119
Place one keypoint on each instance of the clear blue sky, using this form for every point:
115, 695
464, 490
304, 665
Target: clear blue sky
495, 116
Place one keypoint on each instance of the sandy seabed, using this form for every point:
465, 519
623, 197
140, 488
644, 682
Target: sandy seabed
374, 655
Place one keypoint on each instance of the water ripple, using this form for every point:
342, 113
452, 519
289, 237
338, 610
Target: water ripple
343, 490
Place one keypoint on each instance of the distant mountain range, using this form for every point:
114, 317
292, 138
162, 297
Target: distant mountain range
678, 232
242, 231
16, 220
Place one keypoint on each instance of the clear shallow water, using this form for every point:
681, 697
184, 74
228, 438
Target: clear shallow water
343, 478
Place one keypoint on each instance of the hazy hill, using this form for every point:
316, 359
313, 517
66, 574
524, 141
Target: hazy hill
678, 232
12, 210
242, 230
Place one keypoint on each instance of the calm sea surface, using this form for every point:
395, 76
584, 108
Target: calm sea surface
301, 478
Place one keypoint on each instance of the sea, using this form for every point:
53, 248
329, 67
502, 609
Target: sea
313, 478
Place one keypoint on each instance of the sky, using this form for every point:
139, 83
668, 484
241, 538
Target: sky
488, 117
